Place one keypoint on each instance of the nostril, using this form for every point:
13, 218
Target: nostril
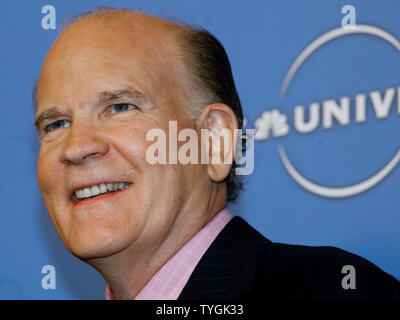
78, 159
91, 154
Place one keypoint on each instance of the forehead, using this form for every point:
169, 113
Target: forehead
97, 51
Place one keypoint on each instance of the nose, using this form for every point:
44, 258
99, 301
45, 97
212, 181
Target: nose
84, 143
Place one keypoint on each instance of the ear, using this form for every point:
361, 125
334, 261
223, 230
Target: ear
221, 124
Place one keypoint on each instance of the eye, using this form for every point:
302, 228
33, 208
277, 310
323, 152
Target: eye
55, 125
121, 107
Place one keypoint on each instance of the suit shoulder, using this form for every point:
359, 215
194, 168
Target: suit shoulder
308, 272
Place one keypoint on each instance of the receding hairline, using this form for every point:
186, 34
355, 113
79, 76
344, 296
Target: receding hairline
111, 15
174, 26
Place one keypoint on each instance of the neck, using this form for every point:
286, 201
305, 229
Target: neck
128, 271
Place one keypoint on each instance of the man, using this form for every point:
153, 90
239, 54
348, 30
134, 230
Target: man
162, 231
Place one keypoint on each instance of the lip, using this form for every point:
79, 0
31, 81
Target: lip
97, 198
91, 184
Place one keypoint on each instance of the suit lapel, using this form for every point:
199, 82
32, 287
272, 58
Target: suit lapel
227, 269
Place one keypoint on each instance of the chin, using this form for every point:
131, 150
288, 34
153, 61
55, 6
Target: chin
90, 243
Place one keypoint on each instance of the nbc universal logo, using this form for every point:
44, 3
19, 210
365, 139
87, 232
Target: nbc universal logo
343, 110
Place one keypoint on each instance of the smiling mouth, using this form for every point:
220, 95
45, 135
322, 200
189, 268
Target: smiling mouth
85, 194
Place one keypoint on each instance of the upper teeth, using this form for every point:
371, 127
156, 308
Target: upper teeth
100, 188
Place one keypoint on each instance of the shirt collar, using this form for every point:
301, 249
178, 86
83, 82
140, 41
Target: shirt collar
168, 282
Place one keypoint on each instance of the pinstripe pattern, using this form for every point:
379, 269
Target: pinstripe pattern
227, 270
242, 264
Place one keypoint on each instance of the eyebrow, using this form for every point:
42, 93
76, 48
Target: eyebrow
104, 97
130, 94
48, 114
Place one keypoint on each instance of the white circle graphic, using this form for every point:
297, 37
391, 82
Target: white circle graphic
346, 191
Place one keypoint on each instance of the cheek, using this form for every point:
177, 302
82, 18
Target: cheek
155, 181
130, 142
48, 171
49, 174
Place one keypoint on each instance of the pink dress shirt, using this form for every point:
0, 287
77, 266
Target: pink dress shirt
168, 282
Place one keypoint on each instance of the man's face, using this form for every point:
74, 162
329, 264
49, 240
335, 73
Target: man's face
112, 83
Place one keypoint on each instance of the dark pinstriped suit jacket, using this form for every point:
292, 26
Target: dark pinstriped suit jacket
243, 264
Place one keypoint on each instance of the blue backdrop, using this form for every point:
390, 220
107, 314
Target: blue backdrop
263, 40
